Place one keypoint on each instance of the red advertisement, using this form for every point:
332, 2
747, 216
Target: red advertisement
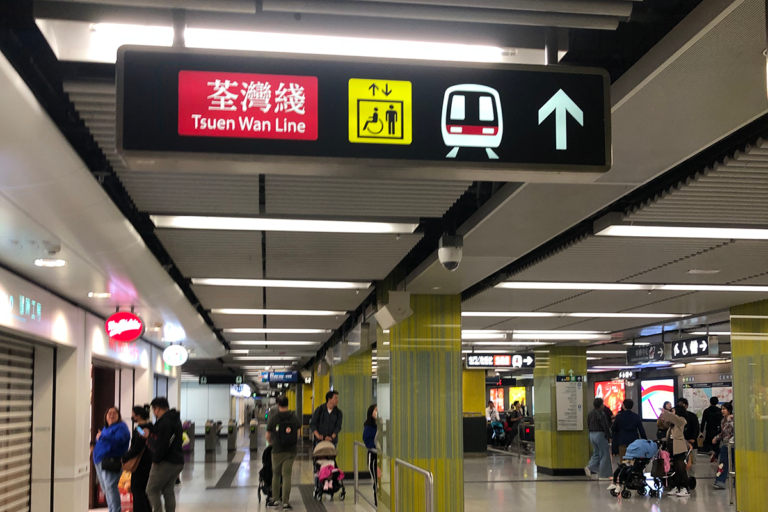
245, 105
612, 393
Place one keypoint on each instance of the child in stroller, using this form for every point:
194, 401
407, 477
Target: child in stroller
630, 475
329, 479
498, 438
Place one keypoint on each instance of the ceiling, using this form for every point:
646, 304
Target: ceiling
699, 81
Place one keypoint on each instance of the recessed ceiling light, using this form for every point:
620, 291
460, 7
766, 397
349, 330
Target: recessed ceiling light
274, 342
50, 262
515, 285
99, 295
260, 330
282, 312
697, 271
282, 283
265, 224
684, 232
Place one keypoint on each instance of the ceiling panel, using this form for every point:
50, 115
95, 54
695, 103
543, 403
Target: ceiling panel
297, 298
497, 299
513, 323
611, 259
614, 301
700, 302
278, 321
320, 338
193, 193
332, 256
229, 296
209, 253
346, 197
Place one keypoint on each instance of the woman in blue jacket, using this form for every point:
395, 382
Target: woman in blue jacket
369, 438
111, 444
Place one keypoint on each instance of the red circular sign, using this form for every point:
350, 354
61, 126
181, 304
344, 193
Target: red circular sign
124, 327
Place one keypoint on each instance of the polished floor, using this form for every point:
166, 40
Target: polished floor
218, 481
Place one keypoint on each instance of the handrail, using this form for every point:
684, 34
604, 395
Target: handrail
355, 465
429, 485
731, 473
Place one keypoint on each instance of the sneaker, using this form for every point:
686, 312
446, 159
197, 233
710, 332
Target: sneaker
683, 493
588, 472
287, 506
719, 486
612, 487
273, 503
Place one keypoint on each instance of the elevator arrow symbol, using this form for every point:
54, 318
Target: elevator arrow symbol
561, 103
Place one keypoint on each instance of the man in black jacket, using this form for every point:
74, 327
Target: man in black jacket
325, 424
691, 432
164, 439
711, 419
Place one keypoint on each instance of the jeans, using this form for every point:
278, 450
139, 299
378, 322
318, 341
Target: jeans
282, 467
108, 481
725, 462
600, 462
162, 478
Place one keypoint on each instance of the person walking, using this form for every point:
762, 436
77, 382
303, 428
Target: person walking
724, 438
111, 443
164, 439
370, 431
139, 475
710, 426
627, 427
599, 436
326, 421
691, 434
679, 447
283, 436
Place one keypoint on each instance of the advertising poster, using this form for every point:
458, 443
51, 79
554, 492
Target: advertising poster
612, 393
653, 394
497, 397
698, 395
516, 394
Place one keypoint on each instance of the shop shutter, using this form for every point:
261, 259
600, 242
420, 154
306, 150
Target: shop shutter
16, 374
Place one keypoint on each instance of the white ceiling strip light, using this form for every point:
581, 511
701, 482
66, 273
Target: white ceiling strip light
282, 312
537, 314
261, 330
282, 283
515, 285
684, 232
265, 224
284, 343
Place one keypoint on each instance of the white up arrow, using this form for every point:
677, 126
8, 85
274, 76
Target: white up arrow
561, 103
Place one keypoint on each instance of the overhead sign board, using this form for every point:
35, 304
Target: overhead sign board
626, 375
501, 361
691, 347
502, 117
283, 377
124, 327
645, 354
221, 379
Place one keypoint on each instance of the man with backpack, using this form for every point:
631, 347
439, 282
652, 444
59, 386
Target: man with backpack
283, 436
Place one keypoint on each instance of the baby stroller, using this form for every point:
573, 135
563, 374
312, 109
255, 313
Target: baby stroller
630, 475
265, 474
329, 479
498, 437
663, 472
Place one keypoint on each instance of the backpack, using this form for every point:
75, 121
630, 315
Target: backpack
285, 423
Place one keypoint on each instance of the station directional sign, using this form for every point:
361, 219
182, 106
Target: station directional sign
489, 361
691, 347
453, 116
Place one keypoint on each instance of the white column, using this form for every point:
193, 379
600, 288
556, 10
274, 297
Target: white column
42, 429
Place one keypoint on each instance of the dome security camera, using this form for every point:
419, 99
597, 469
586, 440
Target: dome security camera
449, 251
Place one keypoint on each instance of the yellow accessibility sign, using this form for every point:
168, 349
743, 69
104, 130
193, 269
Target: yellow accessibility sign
380, 111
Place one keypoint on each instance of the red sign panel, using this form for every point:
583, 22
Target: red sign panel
124, 327
245, 105
504, 360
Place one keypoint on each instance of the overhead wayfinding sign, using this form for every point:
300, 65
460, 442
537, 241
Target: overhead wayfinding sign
490, 361
645, 354
500, 117
691, 347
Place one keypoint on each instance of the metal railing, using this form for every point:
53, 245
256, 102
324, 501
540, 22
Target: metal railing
356, 465
429, 485
731, 474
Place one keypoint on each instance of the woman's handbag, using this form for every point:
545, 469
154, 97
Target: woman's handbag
112, 464
700, 440
133, 463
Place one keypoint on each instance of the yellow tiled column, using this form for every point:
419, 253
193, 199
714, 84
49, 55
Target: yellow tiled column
749, 347
473, 391
353, 380
426, 401
558, 452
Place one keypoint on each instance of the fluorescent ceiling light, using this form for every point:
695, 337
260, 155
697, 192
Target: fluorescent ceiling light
538, 314
630, 287
286, 312
260, 330
558, 336
615, 367
511, 343
711, 333
679, 365
239, 351
466, 335
726, 352
274, 342
702, 363
594, 358
333, 45
50, 262
282, 283
685, 232
100, 295
266, 224
533, 335
696, 271
266, 358
606, 351
637, 344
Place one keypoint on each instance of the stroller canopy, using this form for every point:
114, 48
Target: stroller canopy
324, 449
641, 449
